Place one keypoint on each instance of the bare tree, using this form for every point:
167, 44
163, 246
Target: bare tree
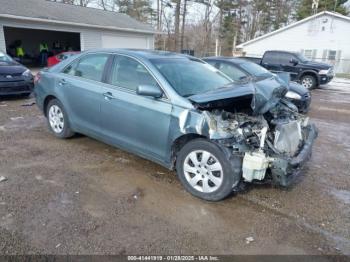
183, 25
177, 24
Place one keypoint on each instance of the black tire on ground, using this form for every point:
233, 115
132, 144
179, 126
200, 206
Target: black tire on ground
66, 131
231, 167
308, 81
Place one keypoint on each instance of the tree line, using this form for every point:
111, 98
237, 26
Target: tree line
213, 26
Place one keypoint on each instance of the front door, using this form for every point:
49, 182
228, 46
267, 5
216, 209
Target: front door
288, 66
136, 122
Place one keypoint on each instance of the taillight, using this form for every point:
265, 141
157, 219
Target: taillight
37, 78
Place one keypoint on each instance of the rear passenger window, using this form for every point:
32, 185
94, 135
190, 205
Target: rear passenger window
271, 58
70, 70
128, 73
89, 67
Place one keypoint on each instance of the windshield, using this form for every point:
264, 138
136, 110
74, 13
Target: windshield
255, 70
190, 76
5, 58
302, 58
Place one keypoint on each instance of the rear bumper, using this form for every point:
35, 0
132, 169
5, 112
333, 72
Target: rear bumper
16, 87
285, 170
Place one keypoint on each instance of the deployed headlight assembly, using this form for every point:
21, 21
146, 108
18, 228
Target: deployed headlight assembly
27, 73
323, 72
293, 95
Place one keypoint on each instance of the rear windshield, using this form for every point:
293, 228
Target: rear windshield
302, 58
190, 76
5, 58
255, 70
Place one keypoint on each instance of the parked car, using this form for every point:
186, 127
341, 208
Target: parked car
309, 73
239, 69
15, 79
53, 60
180, 112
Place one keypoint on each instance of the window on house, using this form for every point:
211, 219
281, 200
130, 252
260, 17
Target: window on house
332, 54
308, 53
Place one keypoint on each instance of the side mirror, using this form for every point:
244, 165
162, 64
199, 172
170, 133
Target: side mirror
293, 61
149, 90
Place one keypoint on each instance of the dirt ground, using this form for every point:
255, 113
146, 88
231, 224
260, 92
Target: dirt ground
80, 196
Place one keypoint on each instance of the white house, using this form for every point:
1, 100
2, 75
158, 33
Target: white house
35, 21
322, 37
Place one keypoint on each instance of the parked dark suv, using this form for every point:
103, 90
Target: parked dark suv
310, 73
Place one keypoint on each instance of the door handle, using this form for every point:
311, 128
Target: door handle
108, 96
62, 82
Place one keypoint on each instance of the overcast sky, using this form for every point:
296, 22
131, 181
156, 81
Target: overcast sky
196, 11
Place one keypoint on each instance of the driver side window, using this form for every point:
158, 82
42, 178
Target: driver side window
129, 73
233, 72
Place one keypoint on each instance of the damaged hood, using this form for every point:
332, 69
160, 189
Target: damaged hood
259, 97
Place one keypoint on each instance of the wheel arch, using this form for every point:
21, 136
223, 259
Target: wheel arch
47, 101
310, 73
178, 144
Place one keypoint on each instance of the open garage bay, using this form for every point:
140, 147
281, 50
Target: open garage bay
30, 40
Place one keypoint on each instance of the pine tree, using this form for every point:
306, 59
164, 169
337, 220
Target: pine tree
305, 7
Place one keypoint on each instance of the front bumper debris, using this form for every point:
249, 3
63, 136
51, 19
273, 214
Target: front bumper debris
324, 79
285, 170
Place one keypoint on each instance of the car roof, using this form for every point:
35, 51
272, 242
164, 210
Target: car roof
234, 60
282, 51
142, 53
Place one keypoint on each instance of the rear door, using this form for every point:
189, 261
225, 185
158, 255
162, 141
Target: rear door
81, 84
138, 123
271, 61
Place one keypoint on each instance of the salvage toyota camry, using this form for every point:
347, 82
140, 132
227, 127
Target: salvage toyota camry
180, 112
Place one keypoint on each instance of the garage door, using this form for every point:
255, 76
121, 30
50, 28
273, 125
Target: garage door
110, 41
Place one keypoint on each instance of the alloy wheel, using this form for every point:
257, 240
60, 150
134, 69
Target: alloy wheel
307, 82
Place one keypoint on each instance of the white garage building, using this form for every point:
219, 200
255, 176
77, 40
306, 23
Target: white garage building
34, 21
324, 37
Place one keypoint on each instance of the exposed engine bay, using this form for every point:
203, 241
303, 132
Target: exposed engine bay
272, 144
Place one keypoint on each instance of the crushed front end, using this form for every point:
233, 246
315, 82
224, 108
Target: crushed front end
273, 142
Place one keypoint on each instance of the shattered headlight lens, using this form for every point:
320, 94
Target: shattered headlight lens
293, 95
27, 73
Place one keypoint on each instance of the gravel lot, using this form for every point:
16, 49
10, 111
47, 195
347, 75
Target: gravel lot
80, 196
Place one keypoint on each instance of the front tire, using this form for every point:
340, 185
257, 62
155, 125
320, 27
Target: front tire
57, 120
206, 171
308, 81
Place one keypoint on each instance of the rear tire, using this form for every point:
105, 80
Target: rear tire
206, 170
57, 120
308, 81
